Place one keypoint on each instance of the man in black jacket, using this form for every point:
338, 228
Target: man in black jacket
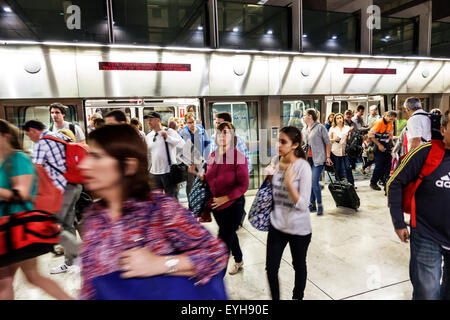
430, 238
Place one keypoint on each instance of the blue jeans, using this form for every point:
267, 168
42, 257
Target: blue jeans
343, 168
316, 192
425, 269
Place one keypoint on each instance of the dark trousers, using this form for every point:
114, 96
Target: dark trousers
228, 221
276, 242
352, 162
367, 163
383, 161
163, 182
343, 168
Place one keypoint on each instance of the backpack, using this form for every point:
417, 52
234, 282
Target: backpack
354, 147
71, 128
48, 197
433, 161
435, 125
75, 153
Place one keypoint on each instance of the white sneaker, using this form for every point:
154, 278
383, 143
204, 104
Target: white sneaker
61, 269
236, 268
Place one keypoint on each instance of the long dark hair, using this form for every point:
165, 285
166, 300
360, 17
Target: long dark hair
121, 141
13, 132
295, 135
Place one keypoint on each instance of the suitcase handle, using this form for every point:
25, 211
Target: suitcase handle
331, 179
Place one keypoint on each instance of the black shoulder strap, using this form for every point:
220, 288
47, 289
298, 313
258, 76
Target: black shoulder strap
72, 128
51, 128
167, 152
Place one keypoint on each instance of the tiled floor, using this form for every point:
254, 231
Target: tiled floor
352, 255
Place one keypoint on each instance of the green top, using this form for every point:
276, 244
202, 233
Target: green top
19, 164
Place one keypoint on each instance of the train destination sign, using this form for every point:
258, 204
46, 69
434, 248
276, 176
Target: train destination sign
370, 71
139, 66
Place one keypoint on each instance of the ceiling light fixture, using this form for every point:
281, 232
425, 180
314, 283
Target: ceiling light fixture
235, 29
7, 9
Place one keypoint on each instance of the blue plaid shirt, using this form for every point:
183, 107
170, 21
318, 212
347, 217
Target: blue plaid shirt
54, 153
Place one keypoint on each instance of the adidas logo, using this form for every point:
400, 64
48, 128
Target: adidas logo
444, 182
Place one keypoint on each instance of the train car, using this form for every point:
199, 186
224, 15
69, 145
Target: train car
263, 91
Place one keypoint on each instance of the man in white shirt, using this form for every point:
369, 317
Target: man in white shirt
157, 140
372, 117
57, 113
419, 124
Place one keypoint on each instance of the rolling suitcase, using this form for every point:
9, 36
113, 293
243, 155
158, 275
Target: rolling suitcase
344, 193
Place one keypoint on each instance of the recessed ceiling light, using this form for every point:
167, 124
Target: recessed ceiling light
305, 36
387, 37
269, 32
235, 29
199, 28
334, 37
7, 9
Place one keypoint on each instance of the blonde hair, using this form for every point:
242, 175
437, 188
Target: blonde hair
189, 115
68, 133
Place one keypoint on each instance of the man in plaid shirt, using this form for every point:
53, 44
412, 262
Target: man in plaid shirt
52, 157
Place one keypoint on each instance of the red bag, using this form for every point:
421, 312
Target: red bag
433, 161
26, 235
75, 153
48, 197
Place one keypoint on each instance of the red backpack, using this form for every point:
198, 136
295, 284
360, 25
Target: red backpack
433, 161
75, 153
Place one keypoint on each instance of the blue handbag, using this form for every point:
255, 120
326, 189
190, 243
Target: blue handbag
198, 197
259, 215
112, 287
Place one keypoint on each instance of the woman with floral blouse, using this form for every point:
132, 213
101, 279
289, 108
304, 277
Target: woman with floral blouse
141, 232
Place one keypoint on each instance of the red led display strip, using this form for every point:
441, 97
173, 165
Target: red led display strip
138, 66
370, 71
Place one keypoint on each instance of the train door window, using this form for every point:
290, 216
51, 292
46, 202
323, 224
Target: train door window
104, 111
293, 111
18, 115
335, 107
244, 117
165, 112
344, 106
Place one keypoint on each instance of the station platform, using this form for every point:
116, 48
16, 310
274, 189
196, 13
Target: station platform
353, 255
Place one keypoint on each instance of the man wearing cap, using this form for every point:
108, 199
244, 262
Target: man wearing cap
162, 142
373, 116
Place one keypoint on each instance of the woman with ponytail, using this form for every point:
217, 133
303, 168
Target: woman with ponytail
290, 216
18, 182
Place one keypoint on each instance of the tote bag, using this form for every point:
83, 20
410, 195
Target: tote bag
112, 287
198, 197
259, 215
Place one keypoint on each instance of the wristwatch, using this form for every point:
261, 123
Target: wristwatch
171, 264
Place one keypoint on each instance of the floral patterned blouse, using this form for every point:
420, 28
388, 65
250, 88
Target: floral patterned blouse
160, 224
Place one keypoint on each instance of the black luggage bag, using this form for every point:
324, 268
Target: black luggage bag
344, 193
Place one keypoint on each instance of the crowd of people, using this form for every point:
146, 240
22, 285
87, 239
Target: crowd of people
136, 224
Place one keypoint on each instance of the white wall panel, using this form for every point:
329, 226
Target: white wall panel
119, 83
427, 77
305, 75
73, 72
57, 77
226, 81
